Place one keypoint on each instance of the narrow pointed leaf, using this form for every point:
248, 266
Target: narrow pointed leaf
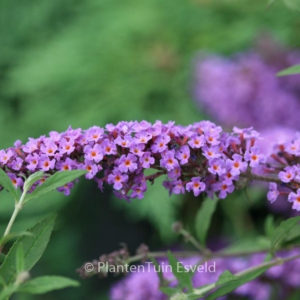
33, 246
20, 259
182, 275
45, 284
289, 71
203, 218
32, 179
55, 181
281, 232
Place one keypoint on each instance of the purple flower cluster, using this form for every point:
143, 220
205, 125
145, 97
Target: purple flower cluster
244, 90
286, 163
145, 285
196, 158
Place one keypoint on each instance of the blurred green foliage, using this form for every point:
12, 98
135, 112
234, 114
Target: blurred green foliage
84, 63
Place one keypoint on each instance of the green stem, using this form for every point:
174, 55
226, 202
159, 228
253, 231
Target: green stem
18, 207
206, 257
275, 262
194, 242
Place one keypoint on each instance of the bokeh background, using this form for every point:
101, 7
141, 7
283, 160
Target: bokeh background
93, 62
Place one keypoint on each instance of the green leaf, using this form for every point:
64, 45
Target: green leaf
5, 181
289, 71
157, 267
293, 236
20, 259
55, 181
247, 245
183, 276
203, 218
33, 246
33, 178
281, 232
233, 284
269, 225
45, 284
226, 277
2, 282
2, 257
8, 291
193, 297
10, 236
169, 290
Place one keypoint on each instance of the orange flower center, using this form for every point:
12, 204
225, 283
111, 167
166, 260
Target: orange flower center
236, 164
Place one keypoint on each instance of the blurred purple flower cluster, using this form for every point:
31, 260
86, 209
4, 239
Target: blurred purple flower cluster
145, 285
244, 90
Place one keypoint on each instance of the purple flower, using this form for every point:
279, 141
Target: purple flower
224, 189
127, 163
236, 165
295, 199
124, 141
211, 152
196, 186
228, 178
16, 181
197, 141
66, 188
142, 137
212, 138
138, 191
183, 154
169, 161
174, 173
5, 156
32, 160
117, 179
93, 153
160, 144
65, 165
137, 149
147, 160
94, 134
292, 147
49, 148
109, 148
254, 157
17, 164
30, 146
66, 146
273, 192
178, 187
287, 175
45, 163
217, 166
91, 167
